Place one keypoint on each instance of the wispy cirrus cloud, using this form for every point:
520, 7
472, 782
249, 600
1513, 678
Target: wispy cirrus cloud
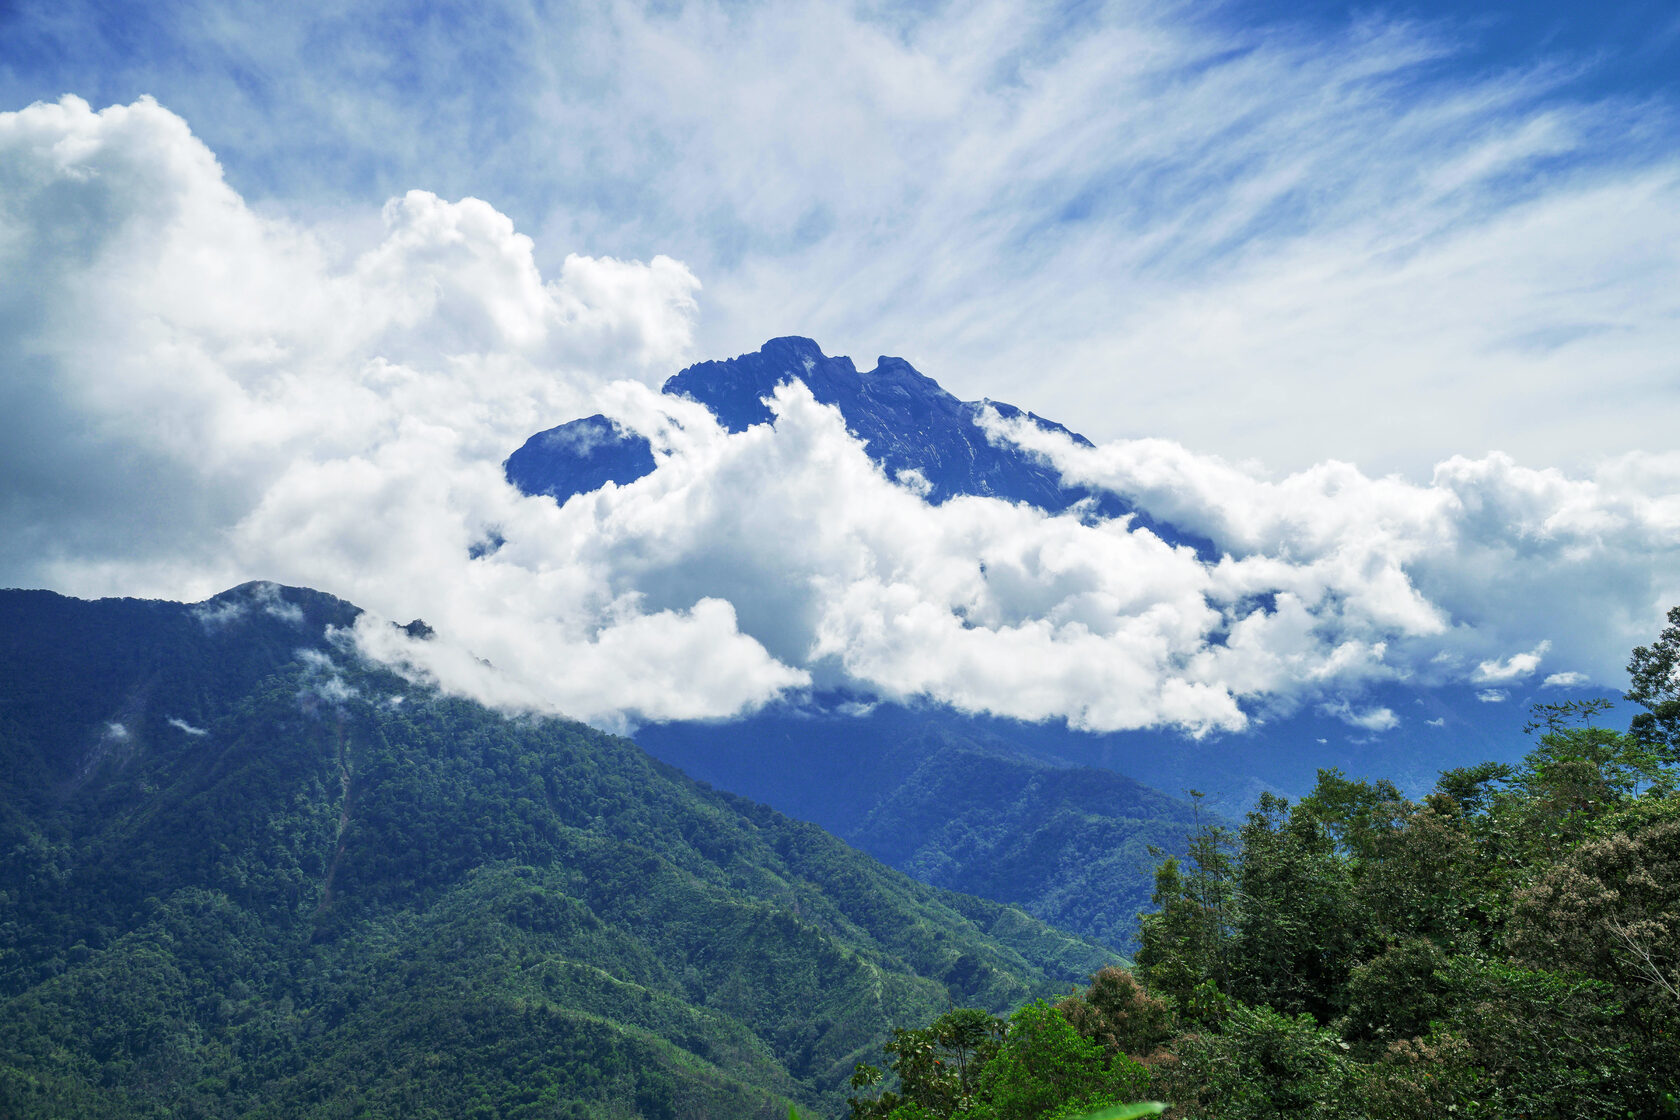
1254, 234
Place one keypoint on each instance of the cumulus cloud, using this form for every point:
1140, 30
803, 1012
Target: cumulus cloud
196, 392
1515, 667
200, 393
174, 354
1488, 556
1374, 719
1570, 679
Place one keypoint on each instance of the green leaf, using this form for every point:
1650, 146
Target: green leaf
1128, 1111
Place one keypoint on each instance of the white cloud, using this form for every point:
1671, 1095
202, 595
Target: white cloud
225, 613
1493, 696
1515, 667
187, 728
274, 604
1570, 679
1488, 556
1374, 719
200, 393
197, 392
322, 679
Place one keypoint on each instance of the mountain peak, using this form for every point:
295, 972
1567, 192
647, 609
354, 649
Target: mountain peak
793, 343
909, 424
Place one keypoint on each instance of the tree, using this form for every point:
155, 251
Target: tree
1262, 1065
1545, 1044
967, 1063
1610, 912
1298, 926
1427, 882
1046, 1069
1117, 1014
938, 1068
1358, 815
1186, 942
1578, 776
1471, 787
1654, 673
1395, 995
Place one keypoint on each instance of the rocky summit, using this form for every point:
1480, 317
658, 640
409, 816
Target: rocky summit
910, 426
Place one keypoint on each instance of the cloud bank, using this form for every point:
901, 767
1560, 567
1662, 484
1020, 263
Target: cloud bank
1488, 547
194, 392
197, 394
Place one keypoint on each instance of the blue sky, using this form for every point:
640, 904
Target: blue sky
1385, 298
1006, 194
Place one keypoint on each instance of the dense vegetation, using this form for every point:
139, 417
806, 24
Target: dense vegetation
1506, 946
243, 874
1069, 844
952, 803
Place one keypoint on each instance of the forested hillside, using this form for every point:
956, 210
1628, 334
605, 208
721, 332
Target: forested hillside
243, 874
950, 805
1506, 946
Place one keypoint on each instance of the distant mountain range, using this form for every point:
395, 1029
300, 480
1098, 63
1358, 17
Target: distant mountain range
244, 873
952, 805
867, 778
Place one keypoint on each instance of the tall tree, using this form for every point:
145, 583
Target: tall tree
1297, 929
1186, 943
1654, 673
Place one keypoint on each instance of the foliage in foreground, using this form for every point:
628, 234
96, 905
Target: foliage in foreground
1036, 1063
1509, 946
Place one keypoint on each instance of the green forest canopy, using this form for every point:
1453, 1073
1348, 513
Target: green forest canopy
243, 874
1507, 946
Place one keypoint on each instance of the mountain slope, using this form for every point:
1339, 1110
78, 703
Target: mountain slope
244, 874
951, 804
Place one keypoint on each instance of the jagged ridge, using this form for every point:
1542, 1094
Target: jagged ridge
908, 421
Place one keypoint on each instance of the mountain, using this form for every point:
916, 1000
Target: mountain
243, 873
993, 806
952, 804
908, 422
1059, 823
